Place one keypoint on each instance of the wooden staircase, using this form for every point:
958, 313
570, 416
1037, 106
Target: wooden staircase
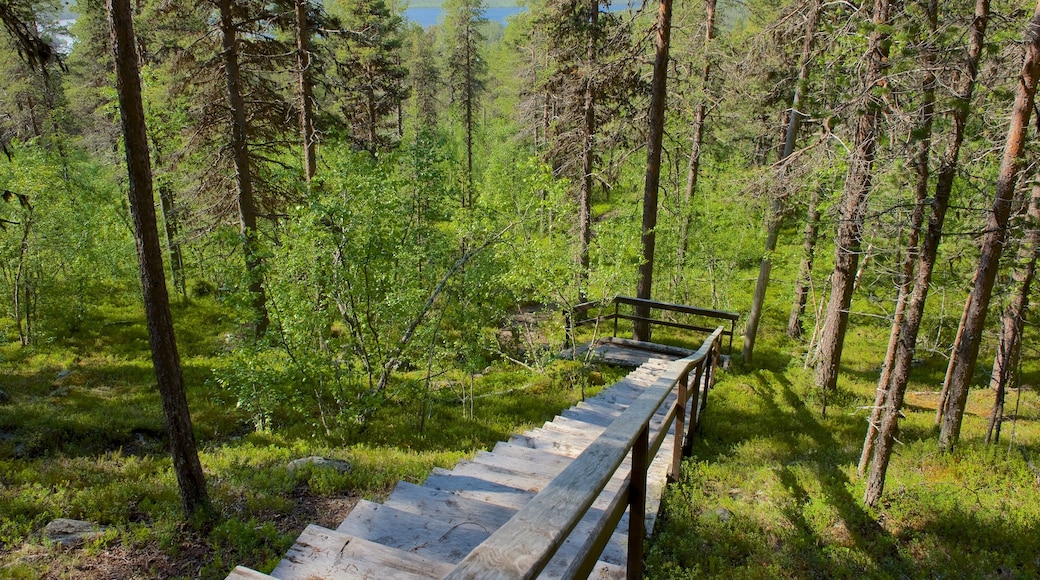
425, 531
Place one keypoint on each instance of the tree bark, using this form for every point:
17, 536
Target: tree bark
966, 351
776, 206
906, 279
652, 182
240, 146
888, 424
854, 204
1014, 318
306, 89
165, 359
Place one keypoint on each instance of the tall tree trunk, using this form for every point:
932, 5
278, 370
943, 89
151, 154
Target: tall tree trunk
966, 352
165, 359
173, 244
888, 423
700, 116
854, 204
776, 207
658, 98
1014, 318
804, 283
306, 91
922, 155
587, 157
240, 146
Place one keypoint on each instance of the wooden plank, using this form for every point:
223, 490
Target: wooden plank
533, 482
479, 489
327, 554
243, 573
540, 443
523, 465
448, 507
424, 536
653, 347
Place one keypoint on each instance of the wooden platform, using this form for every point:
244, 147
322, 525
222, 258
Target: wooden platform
424, 531
625, 353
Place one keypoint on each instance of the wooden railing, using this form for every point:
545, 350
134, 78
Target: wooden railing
578, 316
523, 546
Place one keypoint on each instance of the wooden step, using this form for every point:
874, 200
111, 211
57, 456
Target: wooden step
328, 554
427, 537
479, 489
447, 507
243, 573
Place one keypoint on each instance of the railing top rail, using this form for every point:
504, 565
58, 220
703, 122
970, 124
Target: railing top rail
678, 307
524, 545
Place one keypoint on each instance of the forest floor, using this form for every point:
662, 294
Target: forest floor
770, 492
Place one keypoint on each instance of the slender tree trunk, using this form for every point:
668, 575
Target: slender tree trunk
306, 91
776, 207
888, 424
921, 158
651, 185
944, 394
240, 146
966, 351
802, 287
587, 157
1014, 318
173, 244
21, 283
854, 204
186, 465
700, 115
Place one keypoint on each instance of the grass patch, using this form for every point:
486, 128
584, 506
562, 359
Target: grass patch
772, 492
82, 437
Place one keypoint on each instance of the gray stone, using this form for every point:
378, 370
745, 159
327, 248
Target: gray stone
318, 461
71, 533
723, 514
60, 392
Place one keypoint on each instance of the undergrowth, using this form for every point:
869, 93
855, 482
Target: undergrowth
771, 490
82, 437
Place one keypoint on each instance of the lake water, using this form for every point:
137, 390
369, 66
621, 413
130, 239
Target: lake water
427, 17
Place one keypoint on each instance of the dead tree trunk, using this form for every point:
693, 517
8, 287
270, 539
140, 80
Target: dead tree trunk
966, 351
658, 98
776, 207
804, 284
854, 203
906, 279
240, 146
1014, 318
888, 424
588, 132
306, 89
165, 359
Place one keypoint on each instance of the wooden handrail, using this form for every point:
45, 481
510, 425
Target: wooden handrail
573, 321
523, 546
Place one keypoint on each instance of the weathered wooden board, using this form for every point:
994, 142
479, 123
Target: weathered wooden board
326, 554
447, 507
409, 532
243, 573
479, 489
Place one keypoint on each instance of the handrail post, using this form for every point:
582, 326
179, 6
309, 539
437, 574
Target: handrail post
695, 402
680, 427
709, 373
637, 504
568, 329
616, 312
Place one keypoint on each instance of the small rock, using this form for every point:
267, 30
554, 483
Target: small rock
723, 514
60, 392
318, 461
70, 533
63, 375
